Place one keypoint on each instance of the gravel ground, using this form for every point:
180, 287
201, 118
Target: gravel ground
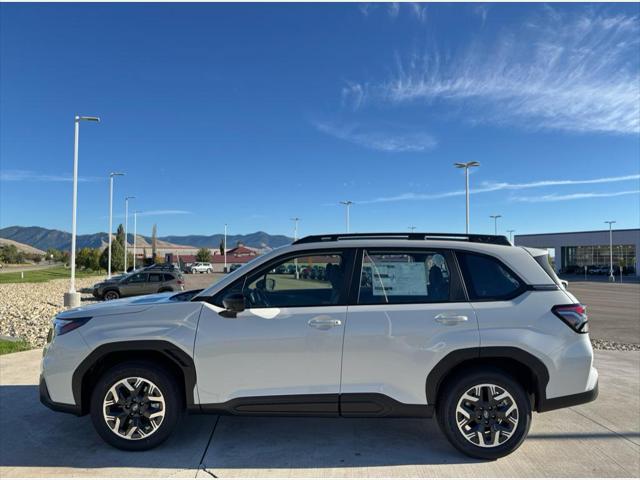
26, 309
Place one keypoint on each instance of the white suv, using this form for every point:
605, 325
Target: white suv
468, 327
201, 267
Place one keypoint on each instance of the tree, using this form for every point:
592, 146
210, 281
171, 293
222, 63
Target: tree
11, 254
221, 247
154, 241
117, 253
203, 255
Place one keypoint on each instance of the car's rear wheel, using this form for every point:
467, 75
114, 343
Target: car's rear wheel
484, 413
111, 295
136, 406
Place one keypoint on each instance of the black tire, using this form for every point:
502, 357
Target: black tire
453, 391
165, 382
111, 295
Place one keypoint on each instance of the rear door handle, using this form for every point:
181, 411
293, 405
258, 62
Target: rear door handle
447, 319
324, 323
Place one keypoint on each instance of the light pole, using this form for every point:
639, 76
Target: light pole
135, 233
495, 223
111, 175
72, 298
611, 277
347, 204
225, 248
295, 221
126, 225
412, 229
511, 235
466, 167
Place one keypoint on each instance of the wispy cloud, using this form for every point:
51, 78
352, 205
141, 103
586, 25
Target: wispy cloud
554, 197
31, 176
155, 213
379, 140
487, 187
577, 72
419, 11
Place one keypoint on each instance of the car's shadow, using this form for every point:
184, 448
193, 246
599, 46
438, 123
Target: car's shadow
33, 436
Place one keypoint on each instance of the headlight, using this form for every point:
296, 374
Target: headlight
62, 326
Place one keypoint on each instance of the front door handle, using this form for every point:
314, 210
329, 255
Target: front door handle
324, 323
447, 319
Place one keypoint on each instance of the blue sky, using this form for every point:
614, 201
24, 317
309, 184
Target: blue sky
251, 114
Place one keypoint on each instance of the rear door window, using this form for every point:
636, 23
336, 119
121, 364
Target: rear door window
487, 278
155, 277
396, 277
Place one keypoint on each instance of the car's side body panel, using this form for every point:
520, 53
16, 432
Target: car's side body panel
268, 351
390, 349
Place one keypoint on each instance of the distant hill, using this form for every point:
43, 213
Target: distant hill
21, 246
257, 240
44, 238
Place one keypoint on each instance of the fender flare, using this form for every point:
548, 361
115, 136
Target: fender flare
452, 360
170, 351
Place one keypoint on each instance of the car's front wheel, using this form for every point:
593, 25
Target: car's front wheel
111, 295
136, 406
484, 413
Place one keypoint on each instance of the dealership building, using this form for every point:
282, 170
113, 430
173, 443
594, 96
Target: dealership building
572, 251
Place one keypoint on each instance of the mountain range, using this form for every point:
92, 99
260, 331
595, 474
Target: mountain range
44, 238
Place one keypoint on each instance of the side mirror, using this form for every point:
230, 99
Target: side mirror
233, 303
565, 284
271, 284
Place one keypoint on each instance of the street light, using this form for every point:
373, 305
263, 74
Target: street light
72, 298
295, 221
412, 229
511, 235
466, 167
347, 204
126, 224
111, 175
225, 248
611, 277
495, 223
135, 233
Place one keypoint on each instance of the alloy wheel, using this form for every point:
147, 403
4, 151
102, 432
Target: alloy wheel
487, 415
134, 408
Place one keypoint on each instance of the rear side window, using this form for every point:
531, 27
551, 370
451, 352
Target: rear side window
487, 278
155, 277
168, 277
394, 277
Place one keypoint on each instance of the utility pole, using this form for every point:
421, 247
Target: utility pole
126, 224
111, 175
466, 167
511, 235
495, 223
72, 298
347, 204
611, 277
412, 229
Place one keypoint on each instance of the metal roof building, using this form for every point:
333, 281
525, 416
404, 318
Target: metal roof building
576, 250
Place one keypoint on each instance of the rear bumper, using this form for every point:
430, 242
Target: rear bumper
45, 399
569, 400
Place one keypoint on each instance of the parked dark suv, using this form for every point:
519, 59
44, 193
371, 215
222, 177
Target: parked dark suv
139, 283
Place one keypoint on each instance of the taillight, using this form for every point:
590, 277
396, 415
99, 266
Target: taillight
574, 315
180, 282
62, 326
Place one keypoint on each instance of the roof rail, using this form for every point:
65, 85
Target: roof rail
458, 237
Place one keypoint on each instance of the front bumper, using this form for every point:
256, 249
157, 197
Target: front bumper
569, 400
45, 399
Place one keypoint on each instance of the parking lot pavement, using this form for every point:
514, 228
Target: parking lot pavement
600, 439
613, 308
194, 281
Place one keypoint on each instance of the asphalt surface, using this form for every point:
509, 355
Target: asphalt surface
613, 308
599, 439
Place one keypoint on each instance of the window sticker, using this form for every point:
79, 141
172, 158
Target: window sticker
396, 278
